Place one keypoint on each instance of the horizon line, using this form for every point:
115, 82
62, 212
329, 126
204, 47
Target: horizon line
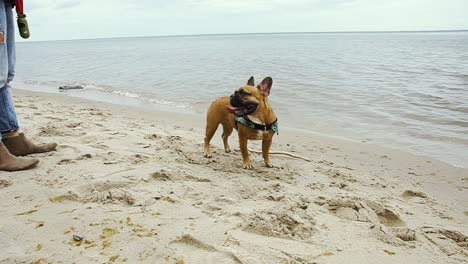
264, 33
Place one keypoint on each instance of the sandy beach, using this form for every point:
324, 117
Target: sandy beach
132, 186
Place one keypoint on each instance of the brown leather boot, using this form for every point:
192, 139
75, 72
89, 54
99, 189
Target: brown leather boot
21, 146
9, 162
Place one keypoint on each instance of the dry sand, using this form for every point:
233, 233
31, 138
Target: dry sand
135, 185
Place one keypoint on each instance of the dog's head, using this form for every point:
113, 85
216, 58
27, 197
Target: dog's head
246, 99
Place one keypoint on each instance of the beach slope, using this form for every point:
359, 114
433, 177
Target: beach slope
131, 185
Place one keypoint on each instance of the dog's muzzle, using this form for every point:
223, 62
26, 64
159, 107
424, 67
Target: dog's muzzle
237, 100
241, 107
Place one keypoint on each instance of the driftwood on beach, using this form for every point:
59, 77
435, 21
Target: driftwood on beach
70, 87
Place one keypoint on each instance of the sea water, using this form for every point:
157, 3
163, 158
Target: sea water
401, 90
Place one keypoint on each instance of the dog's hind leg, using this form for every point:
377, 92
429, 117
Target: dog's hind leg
227, 131
210, 131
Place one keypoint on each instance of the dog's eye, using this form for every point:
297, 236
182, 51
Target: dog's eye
242, 92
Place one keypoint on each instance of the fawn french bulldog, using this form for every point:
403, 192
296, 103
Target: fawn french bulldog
248, 110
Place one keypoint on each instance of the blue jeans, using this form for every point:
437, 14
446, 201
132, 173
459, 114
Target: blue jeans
8, 119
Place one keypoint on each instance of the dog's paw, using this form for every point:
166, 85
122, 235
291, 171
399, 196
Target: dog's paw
207, 155
248, 165
268, 163
228, 150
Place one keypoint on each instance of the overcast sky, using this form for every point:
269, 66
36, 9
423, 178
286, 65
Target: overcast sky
79, 19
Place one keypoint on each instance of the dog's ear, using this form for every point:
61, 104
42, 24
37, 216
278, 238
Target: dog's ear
251, 81
265, 86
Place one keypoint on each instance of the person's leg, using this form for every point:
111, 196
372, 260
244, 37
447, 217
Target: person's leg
11, 46
9, 128
15, 142
8, 122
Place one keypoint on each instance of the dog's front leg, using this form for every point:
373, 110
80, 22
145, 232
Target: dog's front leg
245, 153
266, 144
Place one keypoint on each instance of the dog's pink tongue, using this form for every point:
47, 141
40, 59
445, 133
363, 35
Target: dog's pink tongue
232, 109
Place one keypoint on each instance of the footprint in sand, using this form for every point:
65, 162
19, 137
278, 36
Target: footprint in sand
73, 124
292, 223
70, 161
65, 161
390, 228
418, 197
152, 137
168, 175
396, 236
109, 192
49, 131
4, 183
356, 209
161, 175
99, 192
111, 158
408, 194
338, 175
198, 252
94, 112
450, 242
84, 157
387, 225
174, 139
138, 159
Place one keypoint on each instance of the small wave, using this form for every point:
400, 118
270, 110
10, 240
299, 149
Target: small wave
32, 82
168, 103
457, 75
395, 70
425, 96
91, 86
142, 96
462, 109
457, 123
126, 93
147, 97
44, 83
437, 137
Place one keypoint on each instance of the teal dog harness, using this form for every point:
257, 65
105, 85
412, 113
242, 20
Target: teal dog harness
249, 123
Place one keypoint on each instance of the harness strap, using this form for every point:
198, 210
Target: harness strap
249, 123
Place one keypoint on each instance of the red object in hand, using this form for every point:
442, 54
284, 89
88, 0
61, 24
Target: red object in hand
22, 22
19, 7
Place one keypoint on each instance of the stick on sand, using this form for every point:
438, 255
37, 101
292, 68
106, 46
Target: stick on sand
282, 153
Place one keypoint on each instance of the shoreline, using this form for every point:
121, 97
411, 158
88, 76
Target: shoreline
134, 184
